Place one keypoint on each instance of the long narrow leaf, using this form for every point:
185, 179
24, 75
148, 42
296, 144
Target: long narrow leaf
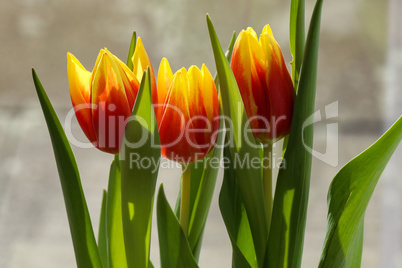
232, 206
170, 233
297, 32
114, 224
102, 243
235, 217
285, 245
297, 39
348, 197
243, 148
203, 198
85, 248
139, 159
131, 50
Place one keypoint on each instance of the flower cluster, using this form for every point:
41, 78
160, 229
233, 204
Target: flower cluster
186, 103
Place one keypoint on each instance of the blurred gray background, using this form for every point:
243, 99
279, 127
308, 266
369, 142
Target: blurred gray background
359, 66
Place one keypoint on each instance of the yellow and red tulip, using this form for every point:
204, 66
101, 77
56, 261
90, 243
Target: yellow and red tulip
102, 100
189, 114
264, 83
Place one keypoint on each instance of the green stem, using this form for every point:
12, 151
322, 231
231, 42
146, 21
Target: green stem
267, 180
185, 199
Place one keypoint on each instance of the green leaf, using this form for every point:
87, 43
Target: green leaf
114, 225
232, 206
296, 38
235, 217
131, 51
174, 248
102, 243
197, 247
139, 159
285, 245
243, 148
228, 56
203, 197
85, 248
348, 197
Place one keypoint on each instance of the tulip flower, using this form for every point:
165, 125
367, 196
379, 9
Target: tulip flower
189, 121
102, 100
189, 114
264, 83
267, 92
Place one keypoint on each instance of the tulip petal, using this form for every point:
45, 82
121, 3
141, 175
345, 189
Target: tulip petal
198, 120
79, 80
172, 127
204, 107
248, 65
280, 94
165, 78
250, 31
191, 105
111, 107
140, 64
267, 30
264, 83
132, 88
211, 102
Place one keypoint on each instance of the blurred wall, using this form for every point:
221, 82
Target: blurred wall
38, 33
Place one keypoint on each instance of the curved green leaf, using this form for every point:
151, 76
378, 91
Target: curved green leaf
232, 207
296, 38
235, 217
114, 225
243, 148
131, 50
102, 244
348, 197
203, 197
85, 248
139, 158
175, 251
285, 245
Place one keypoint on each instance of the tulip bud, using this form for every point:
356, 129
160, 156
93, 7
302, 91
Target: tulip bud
102, 100
264, 83
189, 114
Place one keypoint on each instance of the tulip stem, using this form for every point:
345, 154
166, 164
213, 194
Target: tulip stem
267, 180
185, 199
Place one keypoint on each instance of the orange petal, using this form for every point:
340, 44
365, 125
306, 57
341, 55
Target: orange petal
248, 65
204, 108
187, 125
132, 89
210, 95
140, 64
280, 89
172, 128
111, 107
79, 80
165, 78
